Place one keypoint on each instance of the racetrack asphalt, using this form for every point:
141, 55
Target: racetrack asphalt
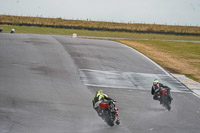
47, 83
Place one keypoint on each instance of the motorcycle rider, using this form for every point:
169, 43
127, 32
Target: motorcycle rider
156, 88
98, 98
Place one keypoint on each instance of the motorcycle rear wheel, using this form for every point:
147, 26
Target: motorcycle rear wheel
117, 122
166, 103
107, 119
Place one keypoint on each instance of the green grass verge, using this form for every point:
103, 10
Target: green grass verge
186, 50
60, 31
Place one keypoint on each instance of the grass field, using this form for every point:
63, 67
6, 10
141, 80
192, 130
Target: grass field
177, 57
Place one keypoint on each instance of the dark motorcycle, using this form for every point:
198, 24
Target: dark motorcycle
109, 112
164, 98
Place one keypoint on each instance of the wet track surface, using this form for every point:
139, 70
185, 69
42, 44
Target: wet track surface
47, 84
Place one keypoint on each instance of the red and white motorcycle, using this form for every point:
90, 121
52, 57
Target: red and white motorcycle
109, 112
164, 98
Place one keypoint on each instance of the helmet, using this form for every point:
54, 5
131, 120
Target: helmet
100, 91
155, 82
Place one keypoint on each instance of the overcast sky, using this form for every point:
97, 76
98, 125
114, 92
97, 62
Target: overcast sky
173, 12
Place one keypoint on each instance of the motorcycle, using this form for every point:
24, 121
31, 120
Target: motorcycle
164, 98
109, 112
12, 31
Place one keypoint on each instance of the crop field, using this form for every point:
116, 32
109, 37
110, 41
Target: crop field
98, 25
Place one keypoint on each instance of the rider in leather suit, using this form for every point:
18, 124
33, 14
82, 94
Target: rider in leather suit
98, 98
156, 88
